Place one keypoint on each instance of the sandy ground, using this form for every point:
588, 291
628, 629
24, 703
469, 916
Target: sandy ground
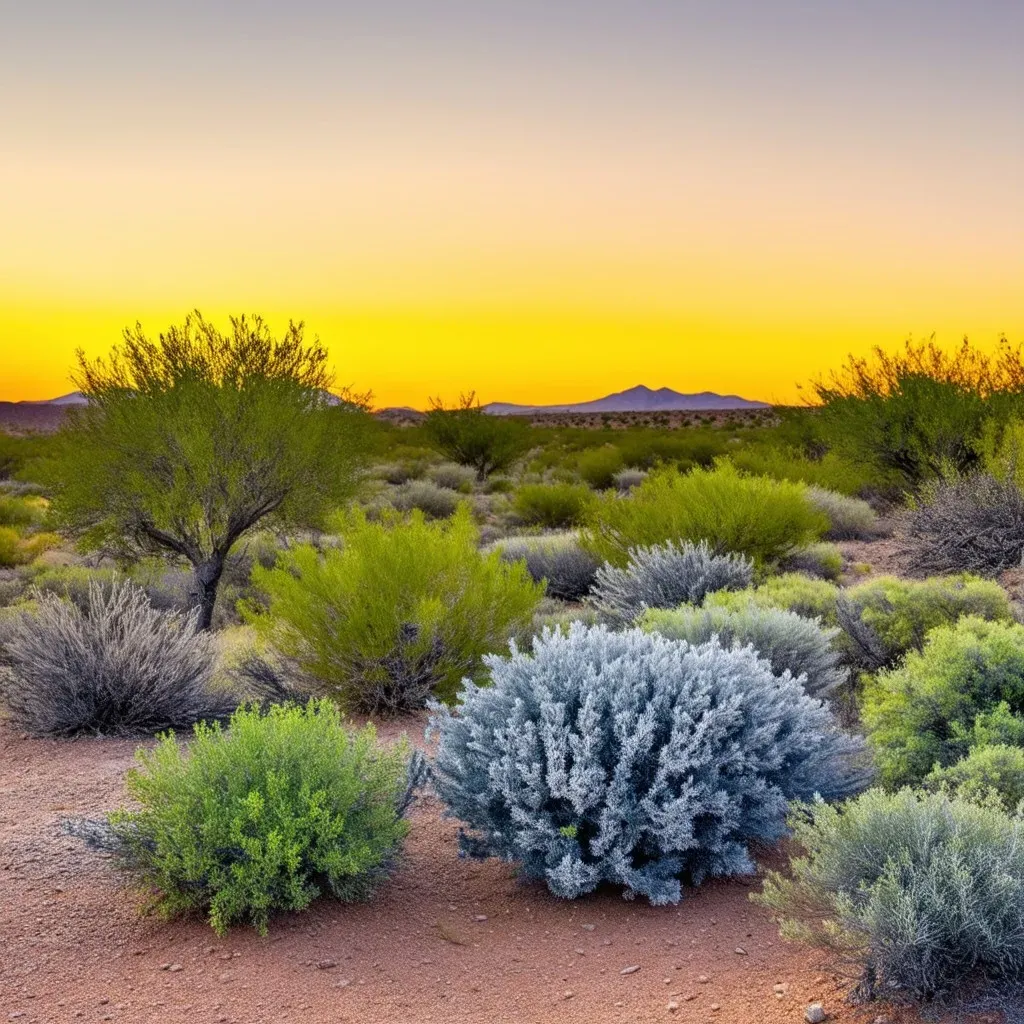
448, 940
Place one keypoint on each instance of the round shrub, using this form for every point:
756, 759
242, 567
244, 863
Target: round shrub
554, 506
664, 576
755, 516
928, 712
849, 518
632, 759
925, 893
557, 559
400, 611
453, 476
996, 770
113, 666
433, 501
787, 641
795, 592
600, 466
822, 560
265, 816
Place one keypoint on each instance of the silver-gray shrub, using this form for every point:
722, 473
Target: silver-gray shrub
663, 576
628, 758
111, 666
787, 641
433, 501
924, 894
849, 518
558, 558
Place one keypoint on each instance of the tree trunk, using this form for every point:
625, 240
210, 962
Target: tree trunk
202, 593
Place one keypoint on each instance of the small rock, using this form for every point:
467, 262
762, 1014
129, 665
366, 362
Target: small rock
588, 927
689, 997
567, 994
326, 965
703, 979
715, 1006
479, 917
815, 1013
174, 968
740, 951
780, 989
630, 970
672, 1006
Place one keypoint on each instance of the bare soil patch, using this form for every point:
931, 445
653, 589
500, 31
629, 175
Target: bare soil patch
448, 940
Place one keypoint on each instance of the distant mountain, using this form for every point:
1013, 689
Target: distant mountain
638, 399
74, 398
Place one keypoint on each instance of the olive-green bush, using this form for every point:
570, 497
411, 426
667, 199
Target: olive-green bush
755, 516
995, 771
965, 688
399, 612
264, 816
553, 506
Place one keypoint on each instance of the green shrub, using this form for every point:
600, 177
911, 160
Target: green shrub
433, 501
787, 641
993, 771
822, 560
12, 551
924, 713
884, 618
264, 817
554, 506
849, 518
754, 516
925, 894
453, 476
600, 466
399, 612
793, 591
21, 512
471, 437
831, 471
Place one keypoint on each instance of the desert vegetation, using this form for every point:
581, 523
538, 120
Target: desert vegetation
647, 652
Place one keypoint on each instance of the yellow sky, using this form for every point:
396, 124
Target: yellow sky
497, 213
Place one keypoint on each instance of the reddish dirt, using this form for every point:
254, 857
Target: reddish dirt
448, 940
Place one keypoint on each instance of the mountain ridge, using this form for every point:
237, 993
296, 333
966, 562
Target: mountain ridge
636, 399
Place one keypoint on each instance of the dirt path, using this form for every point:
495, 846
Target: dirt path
448, 940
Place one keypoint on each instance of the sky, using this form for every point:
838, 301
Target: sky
539, 201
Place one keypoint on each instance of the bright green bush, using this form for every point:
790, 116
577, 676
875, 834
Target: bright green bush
994, 771
21, 512
793, 591
599, 467
884, 618
924, 893
754, 516
831, 471
12, 553
553, 506
265, 816
924, 713
399, 612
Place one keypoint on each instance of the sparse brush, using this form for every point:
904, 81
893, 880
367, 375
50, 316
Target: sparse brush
664, 576
115, 667
433, 501
849, 518
967, 524
787, 641
631, 759
922, 894
822, 560
556, 558
626, 479
453, 476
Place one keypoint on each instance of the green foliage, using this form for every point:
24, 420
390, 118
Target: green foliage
599, 466
191, 441
12, 551
920, 411
471, 437
924, 893
886, 617
21, 512
754, 516
399, 612
822, 560
995, 771
968, 679
849, 518
831, 472
554, 506
795, 592
264, 817
433, 501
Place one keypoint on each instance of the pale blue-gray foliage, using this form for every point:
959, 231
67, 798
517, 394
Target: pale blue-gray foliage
633, 759
786, 640
663, 576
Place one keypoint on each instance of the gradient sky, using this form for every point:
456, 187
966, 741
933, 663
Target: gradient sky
542, 201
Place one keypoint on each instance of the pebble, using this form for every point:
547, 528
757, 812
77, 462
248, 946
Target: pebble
567, 994
630, 970
740, 951
815, 1013
588, 927
715, 1006
326, 965
703, 979
479, 917
672, 1006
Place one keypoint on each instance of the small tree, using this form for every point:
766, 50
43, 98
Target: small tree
472, 437
188, 442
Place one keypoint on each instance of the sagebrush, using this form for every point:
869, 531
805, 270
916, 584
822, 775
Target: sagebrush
632, 759
556, 559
